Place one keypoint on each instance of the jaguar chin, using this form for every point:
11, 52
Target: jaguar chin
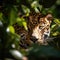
38, 29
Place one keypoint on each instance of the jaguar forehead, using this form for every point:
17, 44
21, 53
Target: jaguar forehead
38, 33
46, 20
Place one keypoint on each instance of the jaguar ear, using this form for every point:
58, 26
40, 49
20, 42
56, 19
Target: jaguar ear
49, 17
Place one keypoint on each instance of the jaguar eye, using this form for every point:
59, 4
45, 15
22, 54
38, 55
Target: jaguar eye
40, 27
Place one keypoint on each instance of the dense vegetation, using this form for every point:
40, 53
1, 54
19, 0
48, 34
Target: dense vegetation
10, 12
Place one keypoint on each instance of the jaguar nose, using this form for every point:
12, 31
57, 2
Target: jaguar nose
33, 38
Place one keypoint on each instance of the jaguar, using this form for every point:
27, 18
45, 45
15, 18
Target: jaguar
38, 29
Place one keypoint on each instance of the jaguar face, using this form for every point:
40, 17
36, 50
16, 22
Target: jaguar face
42, 31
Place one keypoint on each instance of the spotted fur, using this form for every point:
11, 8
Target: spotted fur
38, 29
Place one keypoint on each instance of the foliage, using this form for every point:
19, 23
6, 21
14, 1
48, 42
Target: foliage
46, 52
10, 12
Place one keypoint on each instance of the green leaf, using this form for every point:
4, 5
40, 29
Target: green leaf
55, 33
57, 21
25, 25
1, 16
25, 9
19, 21
22, 22
53, 26
36, 6
13, 15
11, 29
